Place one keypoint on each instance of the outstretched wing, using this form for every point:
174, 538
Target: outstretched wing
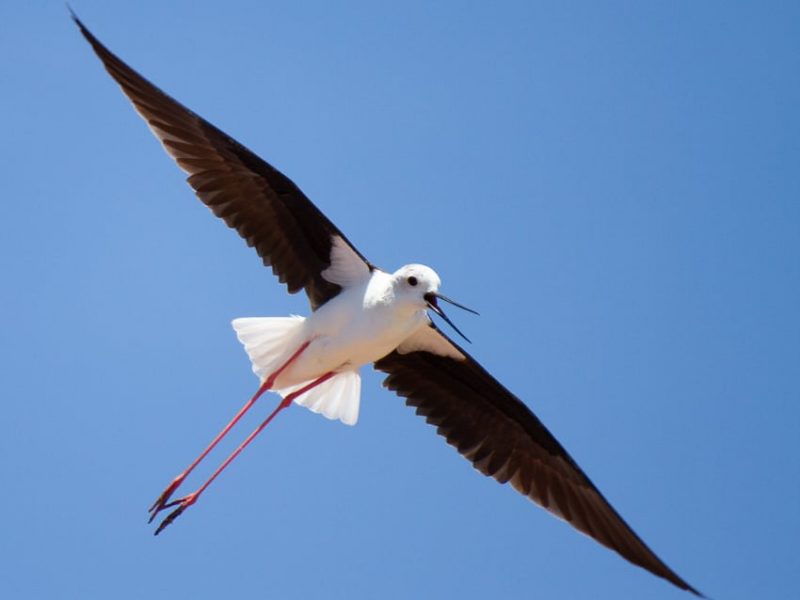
268, 210
502, 438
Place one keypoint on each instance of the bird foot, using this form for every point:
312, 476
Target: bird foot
163, 500
182, 504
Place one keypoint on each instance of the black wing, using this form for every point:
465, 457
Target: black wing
502, 438
267, 209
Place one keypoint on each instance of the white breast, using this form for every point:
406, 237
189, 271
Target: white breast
359, 326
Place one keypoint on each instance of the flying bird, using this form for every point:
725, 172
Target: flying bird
361, 314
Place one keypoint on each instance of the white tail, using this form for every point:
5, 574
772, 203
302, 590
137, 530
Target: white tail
270, 341
337, 398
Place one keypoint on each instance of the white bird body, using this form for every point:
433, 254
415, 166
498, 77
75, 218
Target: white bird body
373, 315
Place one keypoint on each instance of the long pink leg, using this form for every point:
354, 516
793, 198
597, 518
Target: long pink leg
187, 501
161, 503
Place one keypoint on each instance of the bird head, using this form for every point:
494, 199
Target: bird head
419, 285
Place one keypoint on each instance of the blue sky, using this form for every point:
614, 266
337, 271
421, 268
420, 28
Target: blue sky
613, 185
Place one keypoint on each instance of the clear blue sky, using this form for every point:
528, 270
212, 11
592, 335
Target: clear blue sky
615, 186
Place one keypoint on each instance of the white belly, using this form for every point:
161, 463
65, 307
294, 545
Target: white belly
350, 331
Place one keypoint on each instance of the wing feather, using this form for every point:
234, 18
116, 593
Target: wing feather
503, 439
264, 206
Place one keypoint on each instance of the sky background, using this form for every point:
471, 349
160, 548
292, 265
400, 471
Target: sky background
615, 186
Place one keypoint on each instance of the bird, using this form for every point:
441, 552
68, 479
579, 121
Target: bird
360, 315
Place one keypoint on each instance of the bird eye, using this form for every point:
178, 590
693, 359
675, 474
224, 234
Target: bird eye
412, 281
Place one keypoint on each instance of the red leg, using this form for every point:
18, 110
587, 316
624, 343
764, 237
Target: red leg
163, 499
187, 501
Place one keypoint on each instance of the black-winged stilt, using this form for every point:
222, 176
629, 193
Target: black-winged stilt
360, 315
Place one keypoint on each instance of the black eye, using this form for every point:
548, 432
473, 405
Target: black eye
412, 281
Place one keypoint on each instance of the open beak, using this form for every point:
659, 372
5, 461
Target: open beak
432, 298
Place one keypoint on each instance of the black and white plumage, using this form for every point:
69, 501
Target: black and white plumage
362, 314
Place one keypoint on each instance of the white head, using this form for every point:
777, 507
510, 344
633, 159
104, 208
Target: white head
417, 286
412, 283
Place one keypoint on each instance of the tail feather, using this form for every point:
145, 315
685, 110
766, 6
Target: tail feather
338, 398
269, 342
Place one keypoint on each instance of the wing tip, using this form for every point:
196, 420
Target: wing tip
86, 33
96, 45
